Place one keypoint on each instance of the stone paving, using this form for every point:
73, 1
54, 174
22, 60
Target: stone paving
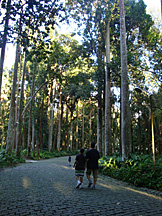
47, 188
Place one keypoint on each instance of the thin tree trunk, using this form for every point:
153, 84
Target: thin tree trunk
23, 134
11, 124
108, 149
77, 144
83, 127
66, 130
49, 115
19, 118
2, 135
40, 128
33, 133
90, 127
30, 118
59, 122
103, 132
71, 132
99, 124
16, 106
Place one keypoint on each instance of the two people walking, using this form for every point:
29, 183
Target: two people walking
91, 161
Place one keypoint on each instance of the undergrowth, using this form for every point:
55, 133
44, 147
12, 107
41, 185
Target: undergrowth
7, 160
137, 170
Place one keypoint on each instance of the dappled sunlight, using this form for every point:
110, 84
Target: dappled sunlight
26, 182
63, 189
7, 170
142, 192
66, 167
118, 186
112, 187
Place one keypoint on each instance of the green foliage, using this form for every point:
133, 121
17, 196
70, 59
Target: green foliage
137, 170
48, 155
9, 160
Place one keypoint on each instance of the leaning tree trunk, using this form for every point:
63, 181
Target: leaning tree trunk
125, 120
11, 123
108, 149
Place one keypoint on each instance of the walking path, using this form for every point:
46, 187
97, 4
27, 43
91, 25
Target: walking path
47, 188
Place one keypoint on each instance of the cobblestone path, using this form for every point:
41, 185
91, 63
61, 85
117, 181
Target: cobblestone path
47, 188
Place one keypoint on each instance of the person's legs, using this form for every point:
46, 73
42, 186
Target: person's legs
95, 176
81, 180
94, 181
88, 173
77, 178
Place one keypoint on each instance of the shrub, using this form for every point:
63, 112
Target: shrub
137, 170
9, 159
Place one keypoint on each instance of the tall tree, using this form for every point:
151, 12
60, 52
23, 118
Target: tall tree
125, 118
4, 40
11, 124
19, 117
108, 137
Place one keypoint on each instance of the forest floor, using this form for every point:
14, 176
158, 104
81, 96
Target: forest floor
47, 187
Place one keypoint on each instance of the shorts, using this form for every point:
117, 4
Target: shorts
79, 173
94, 171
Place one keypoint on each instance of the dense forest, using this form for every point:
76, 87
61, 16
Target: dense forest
62, 93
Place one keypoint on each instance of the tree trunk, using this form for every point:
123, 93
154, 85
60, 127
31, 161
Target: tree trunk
66, 129
40, 127
51, 118
30, 117
33, 133
77, 144
16, 106
4, 39
11, 123
19, 117
71, 132
59, 122
103, 132
90, 128
99, 124
125, 120
108, 139
83, 127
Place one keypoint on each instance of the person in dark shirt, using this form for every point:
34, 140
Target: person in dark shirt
69, 160
92, 157
79, 165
